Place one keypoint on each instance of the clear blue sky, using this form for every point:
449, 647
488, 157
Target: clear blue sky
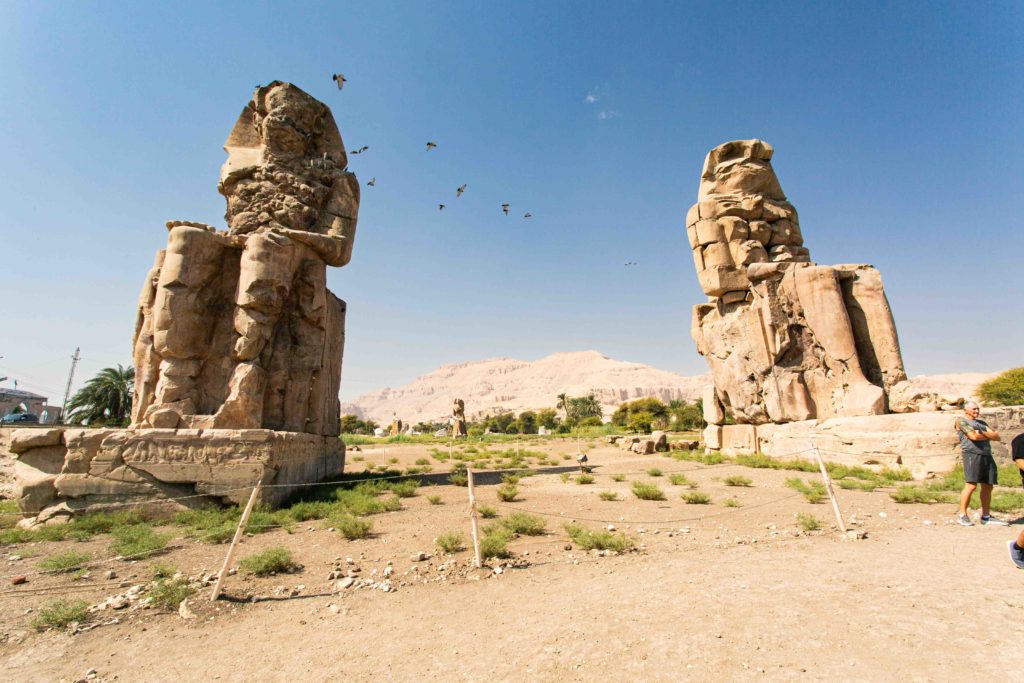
897, 129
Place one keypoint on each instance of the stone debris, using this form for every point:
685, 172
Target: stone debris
19, 580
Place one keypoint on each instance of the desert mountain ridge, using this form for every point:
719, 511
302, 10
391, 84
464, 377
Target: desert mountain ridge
509, 384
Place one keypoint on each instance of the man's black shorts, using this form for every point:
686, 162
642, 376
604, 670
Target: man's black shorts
980, 469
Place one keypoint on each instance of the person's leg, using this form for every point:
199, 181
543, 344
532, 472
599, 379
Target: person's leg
1017, 550
965, 497
986, 499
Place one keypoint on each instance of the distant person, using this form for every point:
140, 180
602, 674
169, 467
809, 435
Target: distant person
979, 465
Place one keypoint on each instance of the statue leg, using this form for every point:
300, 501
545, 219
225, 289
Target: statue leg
267, 270
181, 304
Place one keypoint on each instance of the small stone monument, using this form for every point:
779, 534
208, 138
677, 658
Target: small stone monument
459, 418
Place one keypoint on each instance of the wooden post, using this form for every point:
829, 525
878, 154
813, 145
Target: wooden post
234, 542
472, 519
831, 493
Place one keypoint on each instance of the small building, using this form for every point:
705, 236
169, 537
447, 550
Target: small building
27, 402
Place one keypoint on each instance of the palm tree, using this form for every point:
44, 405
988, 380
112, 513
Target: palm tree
105, 399
588, 406
563, 404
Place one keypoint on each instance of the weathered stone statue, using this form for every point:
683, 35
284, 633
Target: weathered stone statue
459, 418
237, 329
238, 342
786, 339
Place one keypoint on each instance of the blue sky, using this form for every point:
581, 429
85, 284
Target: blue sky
897, 130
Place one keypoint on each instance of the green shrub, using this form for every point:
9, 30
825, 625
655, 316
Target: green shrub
807, 521
450, 542
313, 509
608, 495
163, 570
645, 491
495, 542
273, 560
731, 503
859, 484
137, 541
64, 562
352, 527
1005, 389
589, 539
60, 613
654, 472
406, 488
167, 594
362, 502
697, 498
680, 479
459, 476
95, 523
814, 491
618, 477
737, 480
512, 479
422, 462
487, 511
524, 523
921, 494
507, 493
584, 479
565, 476
435, 500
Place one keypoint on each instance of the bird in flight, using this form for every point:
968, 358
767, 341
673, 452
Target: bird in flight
360, 150
440, 207
504, 208
339, 79
431, 145
462, 188
373, 181
629, 263
527, 215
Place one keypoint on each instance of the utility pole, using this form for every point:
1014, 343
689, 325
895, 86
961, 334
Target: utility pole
67, 390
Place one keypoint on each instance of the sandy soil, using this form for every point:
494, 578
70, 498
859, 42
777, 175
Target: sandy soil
713, 591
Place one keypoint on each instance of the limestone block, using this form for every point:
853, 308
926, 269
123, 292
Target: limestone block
776, 210
643, 446
34, 489
709, 232
660, 440
747, 252
878, 345
786, 233
718, 281
691, 236
760, 231
717, 254
734, 229
82, 446
25, 439
714, 414
48, 459
698, 259
713, 437
78, 485
739, 439
693, 215
925, 443
746, 207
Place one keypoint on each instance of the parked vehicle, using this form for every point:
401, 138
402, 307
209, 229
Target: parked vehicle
14, 418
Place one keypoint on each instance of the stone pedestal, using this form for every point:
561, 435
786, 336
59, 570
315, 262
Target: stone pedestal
61, 471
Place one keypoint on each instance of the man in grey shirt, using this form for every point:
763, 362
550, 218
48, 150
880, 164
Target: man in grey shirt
979, 465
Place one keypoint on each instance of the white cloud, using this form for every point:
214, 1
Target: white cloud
606, 114
591, 97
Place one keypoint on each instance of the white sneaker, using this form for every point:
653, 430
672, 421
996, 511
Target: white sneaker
993, 521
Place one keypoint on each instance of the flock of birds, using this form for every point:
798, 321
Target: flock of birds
341, 80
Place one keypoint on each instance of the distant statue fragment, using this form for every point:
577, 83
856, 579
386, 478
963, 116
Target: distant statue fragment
237, 329
459, 418
786, 339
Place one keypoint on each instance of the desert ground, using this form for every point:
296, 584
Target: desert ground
710, 591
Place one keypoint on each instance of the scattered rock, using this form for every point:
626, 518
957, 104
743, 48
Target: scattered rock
110, 575
345, 583
184, 612
18, 580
